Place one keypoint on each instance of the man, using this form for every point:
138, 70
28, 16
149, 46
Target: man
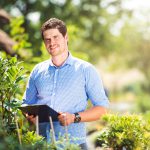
65, 83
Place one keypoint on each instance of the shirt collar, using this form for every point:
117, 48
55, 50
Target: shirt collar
69, 61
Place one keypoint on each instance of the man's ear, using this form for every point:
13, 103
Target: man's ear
66, 37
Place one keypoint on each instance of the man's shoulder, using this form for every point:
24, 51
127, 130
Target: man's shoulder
42, 64
81, 62
85, 66
40, 67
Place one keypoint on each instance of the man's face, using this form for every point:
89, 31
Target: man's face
54, 41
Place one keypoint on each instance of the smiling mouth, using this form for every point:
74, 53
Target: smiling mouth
54, 47
51, 48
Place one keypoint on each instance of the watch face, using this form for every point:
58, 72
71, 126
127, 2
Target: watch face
77, 118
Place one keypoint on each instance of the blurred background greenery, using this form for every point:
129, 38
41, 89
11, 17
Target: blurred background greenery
114, 35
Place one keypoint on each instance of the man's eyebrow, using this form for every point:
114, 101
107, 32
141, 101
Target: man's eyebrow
46, 38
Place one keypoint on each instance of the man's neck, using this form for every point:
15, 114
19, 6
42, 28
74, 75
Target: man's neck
60, 59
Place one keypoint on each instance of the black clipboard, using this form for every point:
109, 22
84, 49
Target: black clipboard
43, 111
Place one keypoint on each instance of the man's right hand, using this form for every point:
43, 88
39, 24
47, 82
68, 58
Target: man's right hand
30, 118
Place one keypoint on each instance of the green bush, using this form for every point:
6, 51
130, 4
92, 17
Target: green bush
126, 131
11, 74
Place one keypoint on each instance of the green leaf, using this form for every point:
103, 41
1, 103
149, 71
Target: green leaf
20, 78
13, 60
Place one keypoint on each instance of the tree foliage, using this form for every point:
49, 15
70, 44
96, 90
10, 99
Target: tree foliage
132, 50
91, 19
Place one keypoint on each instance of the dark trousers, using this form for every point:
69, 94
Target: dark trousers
83, 146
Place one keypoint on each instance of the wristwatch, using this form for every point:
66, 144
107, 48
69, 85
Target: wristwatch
77, 118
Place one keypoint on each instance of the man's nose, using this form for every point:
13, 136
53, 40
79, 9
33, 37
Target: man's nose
52, 42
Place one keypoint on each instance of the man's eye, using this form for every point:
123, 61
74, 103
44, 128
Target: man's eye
47, 40
55, 37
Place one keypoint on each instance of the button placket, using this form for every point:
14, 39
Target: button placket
54, 86
55, 81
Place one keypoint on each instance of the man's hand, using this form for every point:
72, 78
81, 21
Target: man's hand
66, 118
30, 118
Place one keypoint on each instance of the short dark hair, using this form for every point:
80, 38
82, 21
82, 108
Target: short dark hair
54, 23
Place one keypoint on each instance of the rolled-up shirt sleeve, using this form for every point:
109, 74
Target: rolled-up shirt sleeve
94, 88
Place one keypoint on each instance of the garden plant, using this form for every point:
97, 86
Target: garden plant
125, 132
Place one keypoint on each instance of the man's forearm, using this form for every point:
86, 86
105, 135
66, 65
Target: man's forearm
92, 114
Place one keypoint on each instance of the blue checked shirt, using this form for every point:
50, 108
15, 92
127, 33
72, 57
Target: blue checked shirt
66, 89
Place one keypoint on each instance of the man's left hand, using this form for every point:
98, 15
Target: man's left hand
66, 118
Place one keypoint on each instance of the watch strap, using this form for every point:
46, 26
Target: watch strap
77, 118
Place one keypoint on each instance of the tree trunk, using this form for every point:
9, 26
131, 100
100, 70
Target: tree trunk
6, 43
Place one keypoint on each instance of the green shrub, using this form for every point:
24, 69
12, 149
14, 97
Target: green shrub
11, 74
128, 131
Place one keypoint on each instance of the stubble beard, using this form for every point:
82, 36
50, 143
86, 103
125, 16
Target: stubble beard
54, 51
